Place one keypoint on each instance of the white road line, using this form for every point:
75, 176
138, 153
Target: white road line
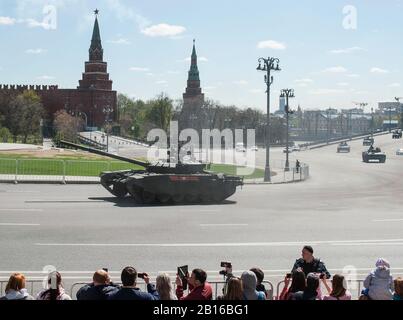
209, 245
387, 220
27, 210
19, 225
224, 225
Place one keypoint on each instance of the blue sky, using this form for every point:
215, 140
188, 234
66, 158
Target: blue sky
146, 44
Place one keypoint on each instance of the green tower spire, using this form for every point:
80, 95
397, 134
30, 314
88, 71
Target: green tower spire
194, 70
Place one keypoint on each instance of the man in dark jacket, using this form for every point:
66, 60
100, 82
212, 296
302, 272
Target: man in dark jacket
129, 291
100, 289
309, 264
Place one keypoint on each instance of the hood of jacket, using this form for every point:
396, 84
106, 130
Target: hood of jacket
249, 282
382, 273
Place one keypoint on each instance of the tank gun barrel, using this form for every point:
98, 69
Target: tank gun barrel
103, 153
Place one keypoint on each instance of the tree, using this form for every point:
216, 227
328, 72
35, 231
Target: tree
67, 126
25, 115
160, 111
5, 135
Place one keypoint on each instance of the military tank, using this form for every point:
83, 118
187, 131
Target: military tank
374, 154
343, 147
397, 134
166, 182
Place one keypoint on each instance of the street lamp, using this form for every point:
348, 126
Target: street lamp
268, 65
372, 123
401, 110
107, 111
287, 93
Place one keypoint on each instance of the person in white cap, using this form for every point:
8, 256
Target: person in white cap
379, 283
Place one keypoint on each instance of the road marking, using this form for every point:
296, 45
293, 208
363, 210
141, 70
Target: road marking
209, 245
387, 220
224, 225
19, 225
27, 210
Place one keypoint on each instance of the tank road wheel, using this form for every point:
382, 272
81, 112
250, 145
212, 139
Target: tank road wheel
164, 198
119, 190
191, 198
178, 198
136, 193
148, 197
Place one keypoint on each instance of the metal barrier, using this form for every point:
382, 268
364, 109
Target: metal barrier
33, 287
351, 284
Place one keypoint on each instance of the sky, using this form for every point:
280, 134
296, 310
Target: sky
334, 53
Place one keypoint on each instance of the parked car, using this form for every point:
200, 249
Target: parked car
399, 152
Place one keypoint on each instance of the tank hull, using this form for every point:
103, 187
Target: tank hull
149, 187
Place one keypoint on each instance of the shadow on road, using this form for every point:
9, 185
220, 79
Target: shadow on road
130, 203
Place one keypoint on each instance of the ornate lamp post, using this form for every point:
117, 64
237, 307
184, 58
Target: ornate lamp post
268, 65
287, 94
107, 111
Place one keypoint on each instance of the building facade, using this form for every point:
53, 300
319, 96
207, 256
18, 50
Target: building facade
91, 99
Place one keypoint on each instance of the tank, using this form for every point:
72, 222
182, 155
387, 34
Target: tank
343, 147
368, 141
397, 134
165, 182
374, 154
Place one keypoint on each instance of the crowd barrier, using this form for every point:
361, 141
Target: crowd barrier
273, 292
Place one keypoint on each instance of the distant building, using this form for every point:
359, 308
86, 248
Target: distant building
393, 108
387, 124
282, 104
90, 98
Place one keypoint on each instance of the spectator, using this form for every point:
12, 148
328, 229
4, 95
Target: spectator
55, 289
199, 288
249, 282
311, 290
398, 289
234, 290
260, 277
100, 289
164, 287
339, 289
298, 284
15, 289
379, 283
309, 264
129, 291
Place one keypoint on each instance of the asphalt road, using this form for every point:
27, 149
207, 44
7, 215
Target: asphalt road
351, 212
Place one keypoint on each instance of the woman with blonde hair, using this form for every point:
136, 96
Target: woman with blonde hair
164, 287
15, 289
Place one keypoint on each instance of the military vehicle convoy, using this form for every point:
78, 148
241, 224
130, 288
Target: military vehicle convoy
374, 154
166, 182
368, 141
397, 134
343, 147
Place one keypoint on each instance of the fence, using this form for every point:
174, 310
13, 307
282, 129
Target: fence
63, 171
35, 286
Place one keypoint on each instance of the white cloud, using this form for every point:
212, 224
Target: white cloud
36, 51
343, 84
304, 81
163, 30
347, 50
395, 85
45, 77
150, 74
378, 70
325, 91
337, 69
271, 44
353, 75
241, 82
139, 69
7, 21
120, 41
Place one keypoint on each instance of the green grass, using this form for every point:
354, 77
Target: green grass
232, 170
89, 168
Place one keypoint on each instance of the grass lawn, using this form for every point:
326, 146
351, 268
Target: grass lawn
232, 170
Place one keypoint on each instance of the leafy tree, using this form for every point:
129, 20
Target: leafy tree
5, 135
67, 126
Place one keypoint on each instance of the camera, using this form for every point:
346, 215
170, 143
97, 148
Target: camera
141, 275
289, 275
183, 273
226, 265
